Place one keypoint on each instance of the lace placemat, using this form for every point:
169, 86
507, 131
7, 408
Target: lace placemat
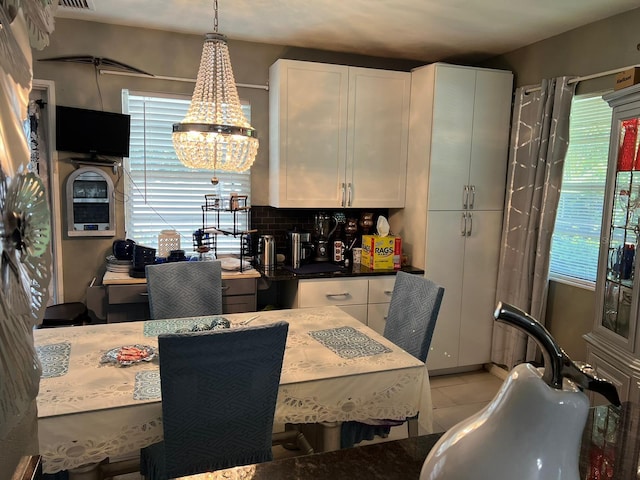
153, 328
147, 386
54, 359
348, 342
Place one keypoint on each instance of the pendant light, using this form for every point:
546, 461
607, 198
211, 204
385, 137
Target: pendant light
215, 134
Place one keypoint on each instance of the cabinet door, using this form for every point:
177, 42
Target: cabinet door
377, 316
490, 139
618, 283
445, 266
605, 368
359, 312
453, 105
381, 289
481, 255
377, 137
307, 134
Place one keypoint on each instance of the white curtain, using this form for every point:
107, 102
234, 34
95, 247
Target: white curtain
539, 142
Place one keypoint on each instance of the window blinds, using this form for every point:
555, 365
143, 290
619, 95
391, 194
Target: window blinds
160, 192
576, 236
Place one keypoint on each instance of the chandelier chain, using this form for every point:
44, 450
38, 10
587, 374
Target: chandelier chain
215, 16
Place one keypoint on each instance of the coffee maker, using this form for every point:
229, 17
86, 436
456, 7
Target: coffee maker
301, 250
324, 226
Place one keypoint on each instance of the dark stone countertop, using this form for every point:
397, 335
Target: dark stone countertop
395, 460
315, 270
610, 449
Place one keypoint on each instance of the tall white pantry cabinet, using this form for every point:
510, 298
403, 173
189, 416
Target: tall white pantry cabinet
452, 220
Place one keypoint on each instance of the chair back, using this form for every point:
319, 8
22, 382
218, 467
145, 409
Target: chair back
414, 307
184, 289
219, 391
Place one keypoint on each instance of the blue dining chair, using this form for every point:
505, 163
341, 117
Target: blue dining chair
413, 311
184, 289
219, 391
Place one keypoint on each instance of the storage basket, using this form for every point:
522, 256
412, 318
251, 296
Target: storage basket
168, 240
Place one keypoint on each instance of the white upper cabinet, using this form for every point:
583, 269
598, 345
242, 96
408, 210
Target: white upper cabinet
338, 136
467, 106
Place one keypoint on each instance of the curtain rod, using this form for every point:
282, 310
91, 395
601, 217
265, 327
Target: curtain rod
586, 77
175, 79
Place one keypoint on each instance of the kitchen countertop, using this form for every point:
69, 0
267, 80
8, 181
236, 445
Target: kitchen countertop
113, 278
281, 272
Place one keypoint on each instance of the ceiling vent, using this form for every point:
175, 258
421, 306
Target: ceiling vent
77, 5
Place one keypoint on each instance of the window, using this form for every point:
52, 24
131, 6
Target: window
576, 237
160, 192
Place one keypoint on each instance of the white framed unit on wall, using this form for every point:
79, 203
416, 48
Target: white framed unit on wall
90, 203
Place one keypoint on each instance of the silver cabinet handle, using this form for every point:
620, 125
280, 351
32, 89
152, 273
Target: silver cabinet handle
472, 188
465, 197
463, 224
225, 287
349, 196
343, 294
388, 292
343, 202
144, 294
470, 217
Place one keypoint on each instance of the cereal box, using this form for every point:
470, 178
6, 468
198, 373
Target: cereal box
383, 253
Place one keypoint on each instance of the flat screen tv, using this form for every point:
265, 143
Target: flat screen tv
91, 131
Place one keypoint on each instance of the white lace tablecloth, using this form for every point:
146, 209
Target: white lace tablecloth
343, 371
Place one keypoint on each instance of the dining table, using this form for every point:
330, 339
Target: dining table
335, 369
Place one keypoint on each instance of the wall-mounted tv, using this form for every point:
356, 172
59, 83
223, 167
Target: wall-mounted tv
91, 131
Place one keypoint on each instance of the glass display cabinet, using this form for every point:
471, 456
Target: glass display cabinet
613, 347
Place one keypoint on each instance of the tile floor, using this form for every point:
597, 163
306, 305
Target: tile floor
455, 397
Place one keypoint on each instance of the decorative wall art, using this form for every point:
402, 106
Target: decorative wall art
25, 231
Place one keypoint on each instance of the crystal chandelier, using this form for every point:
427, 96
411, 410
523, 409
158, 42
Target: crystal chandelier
215, 134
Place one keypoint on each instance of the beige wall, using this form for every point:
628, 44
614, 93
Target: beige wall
160, 53
609, 44
599, 47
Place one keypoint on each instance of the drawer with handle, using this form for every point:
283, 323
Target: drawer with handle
330, 291
117, 294
239, 286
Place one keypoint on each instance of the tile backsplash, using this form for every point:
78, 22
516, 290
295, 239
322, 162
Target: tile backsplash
278, 221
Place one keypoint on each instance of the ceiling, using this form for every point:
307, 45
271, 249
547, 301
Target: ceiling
427, 30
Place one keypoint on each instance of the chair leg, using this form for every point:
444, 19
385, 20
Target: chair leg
412, 426
293, 436
106, 471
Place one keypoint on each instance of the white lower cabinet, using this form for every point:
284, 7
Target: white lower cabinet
365, 298
380, 290
467, 268
617, 373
